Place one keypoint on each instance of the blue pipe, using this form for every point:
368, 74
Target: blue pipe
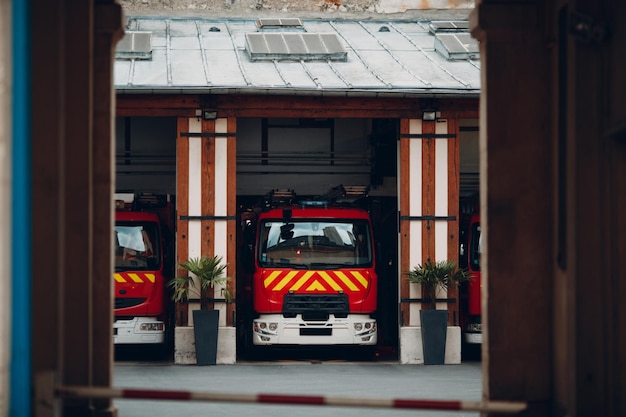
20, 364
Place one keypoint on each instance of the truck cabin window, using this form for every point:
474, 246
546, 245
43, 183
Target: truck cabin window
136, 247
315, 244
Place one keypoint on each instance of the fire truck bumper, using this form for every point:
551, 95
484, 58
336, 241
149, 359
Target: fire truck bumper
274, 329
138, 330
474, 338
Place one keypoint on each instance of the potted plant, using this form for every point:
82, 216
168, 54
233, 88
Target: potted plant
434, 276
210, 272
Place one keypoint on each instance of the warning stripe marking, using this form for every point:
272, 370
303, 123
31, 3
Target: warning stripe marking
134, 277
300, 282
347, 281
502, 407
285, 280
311, 281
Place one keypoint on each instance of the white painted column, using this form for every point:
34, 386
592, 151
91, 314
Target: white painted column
441, 199
415, 209
194, 233
221, 191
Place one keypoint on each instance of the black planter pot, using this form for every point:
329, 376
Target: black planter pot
205, 328
434, 329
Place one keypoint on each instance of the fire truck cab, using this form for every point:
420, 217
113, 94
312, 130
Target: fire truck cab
313, 270
469, 258
141, 272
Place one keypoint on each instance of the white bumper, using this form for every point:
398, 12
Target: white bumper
138, 330
473, 338
274, 329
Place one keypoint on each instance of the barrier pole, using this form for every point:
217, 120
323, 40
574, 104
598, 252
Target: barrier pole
507, 407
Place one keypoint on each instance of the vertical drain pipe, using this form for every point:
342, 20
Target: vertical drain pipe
20, 273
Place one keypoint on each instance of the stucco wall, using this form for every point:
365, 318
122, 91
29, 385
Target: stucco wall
304, 8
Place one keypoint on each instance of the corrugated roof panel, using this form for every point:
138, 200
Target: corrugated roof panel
216, 40
152, 73
121, 72
402, 59
318, 26
465, 70
416, 34
295, 75
324, 74
390, 70
152, 25
187, 67
430, 70
392, 40
238, 30
182, 28
261, 73
185, 42
356, 36
357, 74
223, 68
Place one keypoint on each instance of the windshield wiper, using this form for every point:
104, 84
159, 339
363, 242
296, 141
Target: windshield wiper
287, 264
323, 265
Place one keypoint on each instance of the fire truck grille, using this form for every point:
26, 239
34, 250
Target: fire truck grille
128, 302
316, 307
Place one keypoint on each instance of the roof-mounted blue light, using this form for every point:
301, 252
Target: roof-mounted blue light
314, 203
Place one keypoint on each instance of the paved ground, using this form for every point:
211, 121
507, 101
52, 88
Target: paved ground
387, 380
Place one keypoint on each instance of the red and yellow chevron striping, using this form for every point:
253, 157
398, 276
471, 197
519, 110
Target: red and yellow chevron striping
134, 277
316, 281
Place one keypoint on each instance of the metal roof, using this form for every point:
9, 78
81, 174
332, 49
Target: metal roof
398, 58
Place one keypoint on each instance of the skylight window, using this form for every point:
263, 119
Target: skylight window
448, 26
294, 46
456, 46
134, 45
277, 23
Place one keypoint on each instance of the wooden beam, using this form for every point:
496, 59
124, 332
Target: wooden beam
285, 106
182, 209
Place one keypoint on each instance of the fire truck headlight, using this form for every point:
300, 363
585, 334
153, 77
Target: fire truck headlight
265, 327
474, 327
151, 327
368, 325
358, 326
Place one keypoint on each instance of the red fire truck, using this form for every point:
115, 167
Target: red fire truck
312, 269
142, 243
470, 298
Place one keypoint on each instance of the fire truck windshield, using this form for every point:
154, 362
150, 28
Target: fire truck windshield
136, 246
315, 244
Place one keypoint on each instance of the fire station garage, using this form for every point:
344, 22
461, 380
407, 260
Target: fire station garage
218, 114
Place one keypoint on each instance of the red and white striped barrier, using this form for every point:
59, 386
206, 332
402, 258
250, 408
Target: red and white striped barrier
507, 407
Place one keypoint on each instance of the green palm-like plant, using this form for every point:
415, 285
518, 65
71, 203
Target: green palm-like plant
210, 272
431, 275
